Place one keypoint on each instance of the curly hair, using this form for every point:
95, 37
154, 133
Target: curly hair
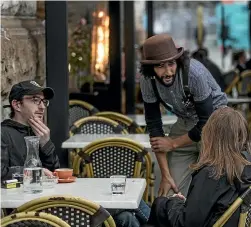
148, 70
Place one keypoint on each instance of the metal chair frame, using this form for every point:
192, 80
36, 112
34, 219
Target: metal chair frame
98, 214
84, 105
42, 217
129, 124
245, 202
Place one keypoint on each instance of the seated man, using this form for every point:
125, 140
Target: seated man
222, 173
28, 102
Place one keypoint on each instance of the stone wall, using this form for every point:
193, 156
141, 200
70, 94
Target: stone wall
23, 48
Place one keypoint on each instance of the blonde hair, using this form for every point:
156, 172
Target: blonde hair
224, 137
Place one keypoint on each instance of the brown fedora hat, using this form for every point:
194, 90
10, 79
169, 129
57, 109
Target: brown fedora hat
160, 48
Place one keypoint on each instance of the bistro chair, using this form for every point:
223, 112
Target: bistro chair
112, 156
130, 125
97, 125
244, 89
75, 211
79, 109
32, 219
231, 80
245, 83
244, 202
94, 125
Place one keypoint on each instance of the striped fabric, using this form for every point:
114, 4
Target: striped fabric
201, 84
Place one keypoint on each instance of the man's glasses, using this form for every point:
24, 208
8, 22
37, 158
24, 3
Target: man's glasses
37, 100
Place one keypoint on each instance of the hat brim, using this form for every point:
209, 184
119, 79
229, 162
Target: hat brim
155, 62
48, 92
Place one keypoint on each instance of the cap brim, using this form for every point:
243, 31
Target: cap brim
48, 92
154, 62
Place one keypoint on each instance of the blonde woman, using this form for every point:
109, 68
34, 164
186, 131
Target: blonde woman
222, 173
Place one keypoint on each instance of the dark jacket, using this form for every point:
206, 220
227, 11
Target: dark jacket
207, 200
215, 71
241, 68
14, 151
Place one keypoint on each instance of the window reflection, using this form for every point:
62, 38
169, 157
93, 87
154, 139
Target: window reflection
88, 43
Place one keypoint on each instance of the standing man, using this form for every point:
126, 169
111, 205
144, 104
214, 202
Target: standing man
187, 89
28, 103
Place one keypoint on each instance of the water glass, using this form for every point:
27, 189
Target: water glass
118, 184
49, 181
17, 173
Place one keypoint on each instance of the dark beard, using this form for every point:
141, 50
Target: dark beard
163, 83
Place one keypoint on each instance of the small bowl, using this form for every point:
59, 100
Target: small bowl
64, 173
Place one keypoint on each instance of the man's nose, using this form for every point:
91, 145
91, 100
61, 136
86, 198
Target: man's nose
169, 71
41, 105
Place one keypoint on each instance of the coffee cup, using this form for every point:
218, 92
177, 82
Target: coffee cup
64, 173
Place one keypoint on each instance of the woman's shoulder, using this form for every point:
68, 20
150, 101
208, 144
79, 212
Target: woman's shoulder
203, 171
207, 173
245, 178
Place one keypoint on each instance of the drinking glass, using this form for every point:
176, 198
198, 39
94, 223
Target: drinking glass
118, 184
17, 173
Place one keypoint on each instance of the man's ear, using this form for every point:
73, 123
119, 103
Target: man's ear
16, 105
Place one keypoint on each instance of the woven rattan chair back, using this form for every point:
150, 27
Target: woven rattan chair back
231, 80
97, 125
75, 211
244, 87
79, 109
32, 219
130, 125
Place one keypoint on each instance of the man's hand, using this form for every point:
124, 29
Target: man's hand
47, 173
179, 195
165, 185
40, 129
162, 144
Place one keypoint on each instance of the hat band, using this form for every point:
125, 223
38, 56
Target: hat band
162, 56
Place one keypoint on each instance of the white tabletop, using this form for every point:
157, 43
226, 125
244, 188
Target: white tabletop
82, 140
140, 119
97, 190
239, 100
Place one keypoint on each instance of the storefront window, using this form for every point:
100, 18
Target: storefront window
88, 43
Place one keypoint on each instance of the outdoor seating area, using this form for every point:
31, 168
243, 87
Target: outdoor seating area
125, 114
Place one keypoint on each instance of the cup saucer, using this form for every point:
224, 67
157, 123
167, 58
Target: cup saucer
67, 180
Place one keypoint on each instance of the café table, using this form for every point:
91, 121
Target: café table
240, 100
167, 120
82, 140
97, 190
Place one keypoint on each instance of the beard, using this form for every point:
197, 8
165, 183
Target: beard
167, 80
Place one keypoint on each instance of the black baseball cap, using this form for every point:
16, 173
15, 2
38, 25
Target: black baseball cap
28, 87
